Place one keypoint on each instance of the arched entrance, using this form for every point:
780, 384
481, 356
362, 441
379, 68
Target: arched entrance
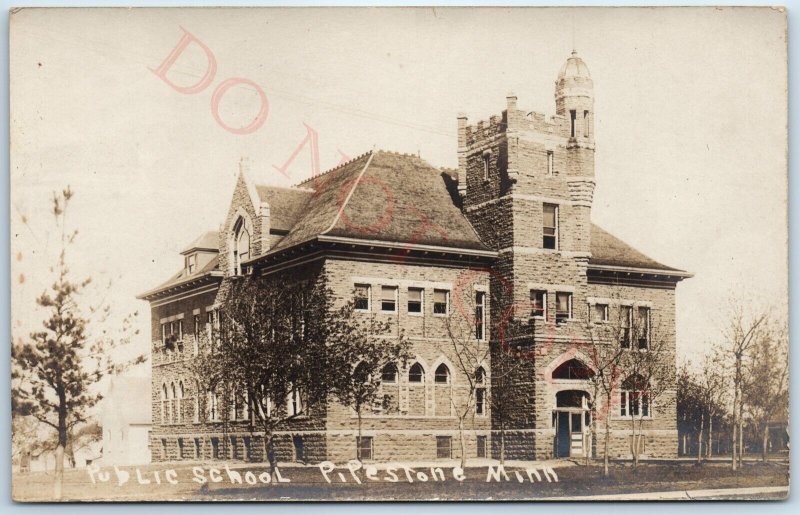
571, 419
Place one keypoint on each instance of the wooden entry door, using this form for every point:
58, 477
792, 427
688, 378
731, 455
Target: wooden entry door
569, 434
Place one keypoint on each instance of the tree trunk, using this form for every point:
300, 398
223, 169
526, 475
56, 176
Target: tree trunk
710, 439
463, 443
700, 439
59, 479
735, 422
765, 443
741, 438
606, 437
358, 440
634, 442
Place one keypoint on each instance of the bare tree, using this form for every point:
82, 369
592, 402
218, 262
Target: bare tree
55, 371
766, 392
607, 351
740, 335
468, 342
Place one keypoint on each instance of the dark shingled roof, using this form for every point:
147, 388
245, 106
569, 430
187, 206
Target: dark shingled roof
387, 197
183, 276
285, 205
608, 250
207, 241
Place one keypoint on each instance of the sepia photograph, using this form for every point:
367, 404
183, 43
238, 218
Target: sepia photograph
399, 254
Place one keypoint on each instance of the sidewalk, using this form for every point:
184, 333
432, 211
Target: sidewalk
681, 495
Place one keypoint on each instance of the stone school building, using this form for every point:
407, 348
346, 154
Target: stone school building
417, 246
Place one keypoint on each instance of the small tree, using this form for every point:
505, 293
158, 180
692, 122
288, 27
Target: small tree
363, 353
650, 373
54, 372
606, 355
740, 335
767, 389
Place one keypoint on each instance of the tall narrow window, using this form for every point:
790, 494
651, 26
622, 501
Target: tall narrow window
539, 303
442, 375
444, 447
441, 299
586, 124
389, 299
486, 160
241, 246
480, 315
627, 319
415, 300
480, 391
416, 374
550, 226
364, 444
572, 116
191, 263
362, 294
563, 306
295, 402
549, 162
643, 327
480, 441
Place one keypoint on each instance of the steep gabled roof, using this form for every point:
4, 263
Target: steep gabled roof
183, 278
383, 196
286, 205
608, 250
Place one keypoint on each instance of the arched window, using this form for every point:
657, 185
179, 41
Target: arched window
241, 246
442, 375
573, 369
173, 412
181, 393
480, 375
196, 401
361, 373
389, 373
164, 403
416, 374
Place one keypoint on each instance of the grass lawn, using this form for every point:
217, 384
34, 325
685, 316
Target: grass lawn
308, 483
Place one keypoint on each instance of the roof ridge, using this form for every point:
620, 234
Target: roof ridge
326, 172
288, 188
350, 194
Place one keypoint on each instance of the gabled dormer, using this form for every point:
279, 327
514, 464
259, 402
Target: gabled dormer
198, 254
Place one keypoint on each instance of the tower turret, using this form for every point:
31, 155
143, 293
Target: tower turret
575, 98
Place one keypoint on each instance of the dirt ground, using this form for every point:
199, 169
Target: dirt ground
309, 483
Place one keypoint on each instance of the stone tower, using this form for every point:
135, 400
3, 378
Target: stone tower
527, 183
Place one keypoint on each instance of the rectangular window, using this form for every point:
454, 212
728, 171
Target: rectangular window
480, 401
191, 263
299, 448
481, 443
362, 295
415, 300
294, 404
586, 124
441, 302
563, 306
180, 448
550, 162
197, 448
539, 303
623, 404
626, 322
572, 118
480, 314
196, 334
215, 448
180, 330
164, 331
486, 160
643, 327
550, 226
164, 448
364, 445
389, 299
444, 447
600, 313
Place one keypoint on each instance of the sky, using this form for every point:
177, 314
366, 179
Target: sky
691, 129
